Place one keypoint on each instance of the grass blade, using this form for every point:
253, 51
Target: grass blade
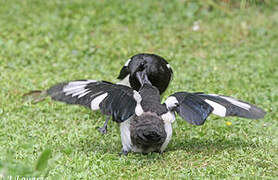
43, 160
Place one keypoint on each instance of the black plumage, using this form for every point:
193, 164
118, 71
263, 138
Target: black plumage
193, 108
156, 67
83, 92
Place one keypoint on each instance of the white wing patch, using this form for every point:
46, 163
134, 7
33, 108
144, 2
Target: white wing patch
73, 90
77, 83
138, 109
218, 109
84, 93
234, 102
168, 117
77, 88
125, 81
237, 103
127, 62
137, 96
81, 92
171, 102
95, 102
168, 66
138, 99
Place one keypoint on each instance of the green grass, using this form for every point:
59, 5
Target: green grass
235, 53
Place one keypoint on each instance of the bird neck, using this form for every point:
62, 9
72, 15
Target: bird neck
149, 93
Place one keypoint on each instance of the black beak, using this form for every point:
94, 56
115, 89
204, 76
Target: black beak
134, 68
142, 77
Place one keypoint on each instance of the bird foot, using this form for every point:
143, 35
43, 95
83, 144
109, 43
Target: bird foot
102, 130
123, 152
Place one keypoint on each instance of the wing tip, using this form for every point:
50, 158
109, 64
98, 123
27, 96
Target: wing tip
257, 113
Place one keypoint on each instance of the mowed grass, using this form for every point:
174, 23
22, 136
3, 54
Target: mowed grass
234, 52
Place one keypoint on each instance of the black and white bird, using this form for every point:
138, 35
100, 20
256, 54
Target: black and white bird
145, 123
157, 69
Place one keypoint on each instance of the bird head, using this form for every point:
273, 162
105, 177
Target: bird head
156, 68
137, 63
147, 132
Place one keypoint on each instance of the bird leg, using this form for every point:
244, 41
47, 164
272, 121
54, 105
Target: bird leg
103, 129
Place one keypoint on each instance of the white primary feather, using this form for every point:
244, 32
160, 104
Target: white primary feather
77, 83
218, 109
75, 87
237, 103
83, 94
79, 92
234, 102
96, 101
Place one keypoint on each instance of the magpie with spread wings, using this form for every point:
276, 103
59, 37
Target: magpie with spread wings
145, 122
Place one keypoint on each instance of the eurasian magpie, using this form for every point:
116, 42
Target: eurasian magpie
158, 70
145, 123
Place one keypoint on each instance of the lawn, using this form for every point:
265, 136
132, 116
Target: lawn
212, 47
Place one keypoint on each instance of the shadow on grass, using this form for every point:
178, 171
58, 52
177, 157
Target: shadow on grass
104, 144
208, 146
193, 146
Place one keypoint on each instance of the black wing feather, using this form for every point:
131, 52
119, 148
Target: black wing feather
118, 103
192, 108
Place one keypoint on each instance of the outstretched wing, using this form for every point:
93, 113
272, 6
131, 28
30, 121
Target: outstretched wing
228, 106
189, 106
112, 99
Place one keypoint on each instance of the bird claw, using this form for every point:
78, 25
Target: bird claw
123, 152
102, 130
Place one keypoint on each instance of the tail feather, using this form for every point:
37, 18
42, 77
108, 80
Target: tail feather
35, 96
